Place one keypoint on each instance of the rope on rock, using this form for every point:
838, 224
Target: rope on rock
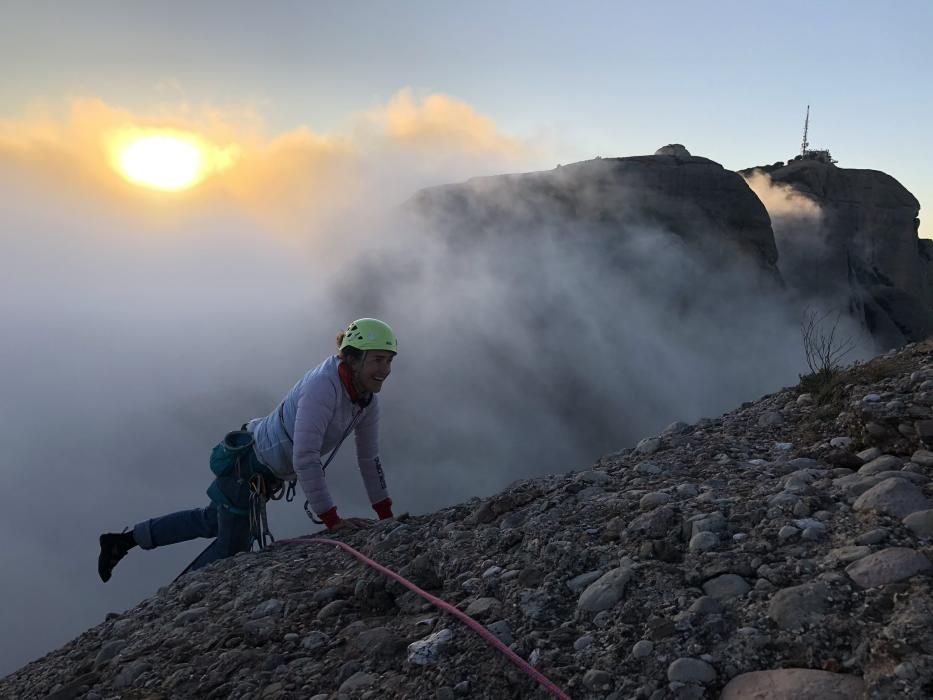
488, 636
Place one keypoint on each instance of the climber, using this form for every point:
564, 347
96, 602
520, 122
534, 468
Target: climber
251, 464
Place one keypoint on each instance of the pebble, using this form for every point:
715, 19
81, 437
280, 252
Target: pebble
792, 607
920, 523
869, 454
687, 490
358, 681
503, 630
876, 536
606, 591
648, 468
704, 542
595, 679
427, 651
653, 500
594, 477
770, 419
883, 463
648, 446
642, 649
847, 554
726, 586
688, 670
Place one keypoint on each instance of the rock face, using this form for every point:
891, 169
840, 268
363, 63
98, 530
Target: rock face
862, 252
865, 243
603, 594
706, 206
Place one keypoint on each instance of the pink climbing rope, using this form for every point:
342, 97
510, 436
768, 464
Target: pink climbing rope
446, 607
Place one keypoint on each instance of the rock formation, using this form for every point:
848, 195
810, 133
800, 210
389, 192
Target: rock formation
606, 200
781, 550
865, 246
863, 254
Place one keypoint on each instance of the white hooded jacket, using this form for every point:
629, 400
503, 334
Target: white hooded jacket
317, 412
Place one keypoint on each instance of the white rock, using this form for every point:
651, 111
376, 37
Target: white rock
428, 650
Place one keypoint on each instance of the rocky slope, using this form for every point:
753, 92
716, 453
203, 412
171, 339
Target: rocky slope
783, 547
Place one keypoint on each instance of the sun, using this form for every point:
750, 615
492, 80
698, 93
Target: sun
162, 161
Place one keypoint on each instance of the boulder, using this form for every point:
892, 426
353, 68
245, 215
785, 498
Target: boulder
793, 684
888, 566
894, 496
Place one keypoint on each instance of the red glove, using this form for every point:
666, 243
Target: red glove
383, 508
330, 518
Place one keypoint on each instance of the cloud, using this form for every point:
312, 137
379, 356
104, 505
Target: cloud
782, 200
440, 123
801, 239
284, 179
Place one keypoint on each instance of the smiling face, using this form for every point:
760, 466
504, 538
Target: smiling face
375, 370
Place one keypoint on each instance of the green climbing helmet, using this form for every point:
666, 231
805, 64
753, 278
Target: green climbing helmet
369, 334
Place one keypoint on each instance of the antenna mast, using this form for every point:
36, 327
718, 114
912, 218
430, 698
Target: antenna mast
806, 127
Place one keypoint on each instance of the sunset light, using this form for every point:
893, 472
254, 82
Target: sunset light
163, 162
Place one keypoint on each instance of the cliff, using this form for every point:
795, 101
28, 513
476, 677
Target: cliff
865, 246
605, 201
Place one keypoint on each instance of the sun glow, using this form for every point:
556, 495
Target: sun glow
166, 160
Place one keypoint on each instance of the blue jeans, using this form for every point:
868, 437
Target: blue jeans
230, 530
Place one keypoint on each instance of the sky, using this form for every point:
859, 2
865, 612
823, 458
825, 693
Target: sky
140, 324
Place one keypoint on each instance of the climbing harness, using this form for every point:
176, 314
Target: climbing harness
259, 532
443, 605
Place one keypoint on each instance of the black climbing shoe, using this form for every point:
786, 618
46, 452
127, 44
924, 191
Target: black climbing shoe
113, 547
